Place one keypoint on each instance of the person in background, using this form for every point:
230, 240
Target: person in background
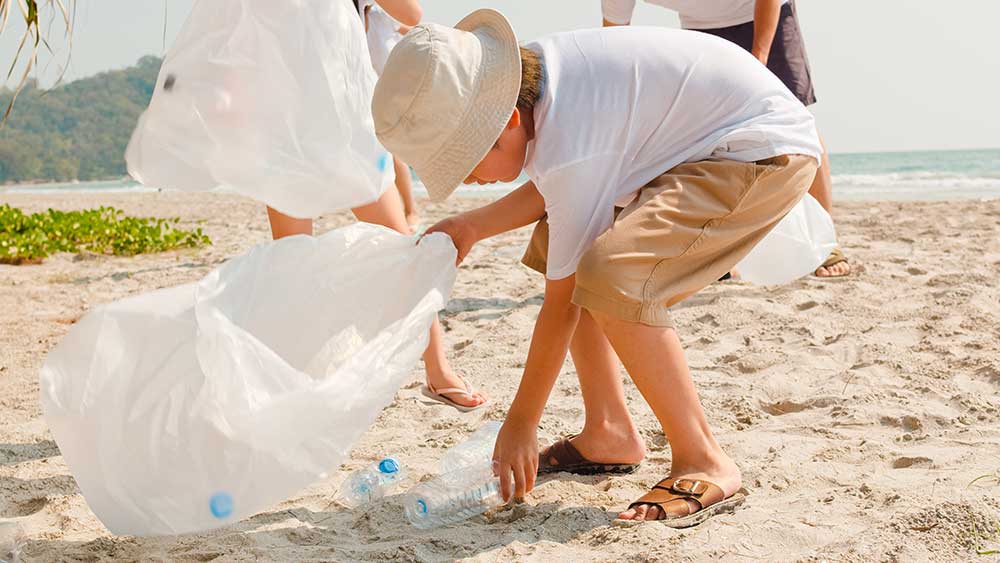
383, 32
769, 29
443, 385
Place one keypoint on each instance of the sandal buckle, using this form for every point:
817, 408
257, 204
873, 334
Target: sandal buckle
692, 487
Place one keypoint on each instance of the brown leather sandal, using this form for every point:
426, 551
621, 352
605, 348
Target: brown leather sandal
708, 496
570, 460
836, 257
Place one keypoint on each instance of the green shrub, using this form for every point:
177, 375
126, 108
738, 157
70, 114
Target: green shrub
105, 230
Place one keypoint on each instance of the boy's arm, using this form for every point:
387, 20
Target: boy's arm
765, 25
406, 12
521, 207
516, 451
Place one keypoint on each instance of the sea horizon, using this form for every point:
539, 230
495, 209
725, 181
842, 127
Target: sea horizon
865, 176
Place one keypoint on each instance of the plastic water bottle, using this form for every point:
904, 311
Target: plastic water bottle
371, 483
10, 542
476, 450
452, 498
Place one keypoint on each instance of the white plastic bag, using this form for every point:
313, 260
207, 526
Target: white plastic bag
271, 99
796, 246
383, 34
193, 407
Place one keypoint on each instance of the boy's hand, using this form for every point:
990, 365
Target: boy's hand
515, 458
461, 231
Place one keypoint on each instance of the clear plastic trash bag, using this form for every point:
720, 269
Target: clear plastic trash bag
796, 246
270, 99
193, 407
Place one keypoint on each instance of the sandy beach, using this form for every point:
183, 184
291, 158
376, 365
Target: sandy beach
859, 410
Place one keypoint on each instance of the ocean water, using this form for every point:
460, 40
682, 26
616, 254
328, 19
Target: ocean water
925, 175
897, 176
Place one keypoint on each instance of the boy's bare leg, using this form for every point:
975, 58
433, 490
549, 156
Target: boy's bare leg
822, 190
608, 434
388, 211
404, 184
654, 358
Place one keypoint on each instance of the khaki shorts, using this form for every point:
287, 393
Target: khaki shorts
685, 229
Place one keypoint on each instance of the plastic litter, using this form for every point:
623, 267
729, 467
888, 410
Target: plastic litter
192, 407
268, 99
796, 246
371, 483
476, 450
453, 497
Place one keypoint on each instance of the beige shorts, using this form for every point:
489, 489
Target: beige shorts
686, 228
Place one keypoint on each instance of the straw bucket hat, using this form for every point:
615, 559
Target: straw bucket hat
445, 96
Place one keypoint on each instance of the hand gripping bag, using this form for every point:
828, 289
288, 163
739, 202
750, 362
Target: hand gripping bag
795, 247
192, 407
270, 99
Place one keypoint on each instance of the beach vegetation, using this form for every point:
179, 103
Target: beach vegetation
29, 238
984, 537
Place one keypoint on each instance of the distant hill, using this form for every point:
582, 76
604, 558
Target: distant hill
77, 131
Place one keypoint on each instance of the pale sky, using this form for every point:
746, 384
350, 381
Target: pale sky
889, 74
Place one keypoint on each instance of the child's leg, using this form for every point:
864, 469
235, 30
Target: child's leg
284, 226
388, 211
404, 184
655, 360
822, 190
608, 434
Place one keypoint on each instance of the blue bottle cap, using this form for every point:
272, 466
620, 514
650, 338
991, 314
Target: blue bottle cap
221, 504
421, 506
388, 465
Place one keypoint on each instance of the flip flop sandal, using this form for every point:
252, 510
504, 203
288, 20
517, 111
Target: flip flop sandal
708, 496
570, 460
440, 395
836, 257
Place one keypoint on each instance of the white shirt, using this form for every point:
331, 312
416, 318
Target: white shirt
694, 14
382, 33
621, 106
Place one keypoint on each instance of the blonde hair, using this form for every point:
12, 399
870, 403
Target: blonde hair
532, 77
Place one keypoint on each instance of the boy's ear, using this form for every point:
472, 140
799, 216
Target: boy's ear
515, 119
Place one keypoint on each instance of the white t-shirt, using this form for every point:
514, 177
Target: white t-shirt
694, 14
383, 33
622, 105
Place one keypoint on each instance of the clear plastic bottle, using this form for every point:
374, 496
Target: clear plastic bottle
11, 539
371, 483
476, 450
451, 498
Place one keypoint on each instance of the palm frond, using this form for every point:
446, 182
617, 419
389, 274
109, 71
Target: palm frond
34, 37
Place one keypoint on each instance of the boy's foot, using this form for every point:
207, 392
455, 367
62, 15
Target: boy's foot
687, 498
608, 450
682, 503
453, 390
836, 266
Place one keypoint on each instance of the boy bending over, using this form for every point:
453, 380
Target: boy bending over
658, 158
